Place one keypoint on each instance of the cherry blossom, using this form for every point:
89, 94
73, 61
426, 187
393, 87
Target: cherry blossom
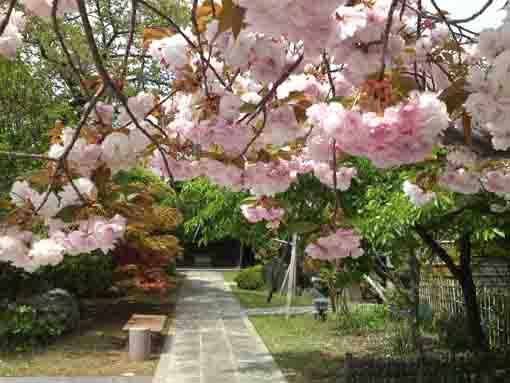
341, 244
460, 181
254, 214
344, 176
497, 181
10, 40
417, 195
69, 196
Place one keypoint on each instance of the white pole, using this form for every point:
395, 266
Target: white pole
291, 285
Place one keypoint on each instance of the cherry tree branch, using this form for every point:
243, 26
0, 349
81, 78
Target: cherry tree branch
60, 38
448, 25
107, 81
261, 105
386, 38
61, 164
188, 40
170, 21
26, 156
7, 17
200, 48
132, 27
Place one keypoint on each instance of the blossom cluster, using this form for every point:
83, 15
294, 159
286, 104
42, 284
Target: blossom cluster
29, 252
256, 213
405, 134
488, 102
10, 40
341, 244
48, 204
291, 93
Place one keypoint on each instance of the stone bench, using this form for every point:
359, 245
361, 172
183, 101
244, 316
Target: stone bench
140, 328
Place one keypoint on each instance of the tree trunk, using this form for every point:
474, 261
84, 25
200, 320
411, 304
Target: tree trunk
464, 275
469, 293
414, 323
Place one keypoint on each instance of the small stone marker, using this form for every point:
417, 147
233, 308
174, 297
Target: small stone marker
140, 328
139, 343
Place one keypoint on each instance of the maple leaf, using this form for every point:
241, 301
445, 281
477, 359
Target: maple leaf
151, 34
231, 18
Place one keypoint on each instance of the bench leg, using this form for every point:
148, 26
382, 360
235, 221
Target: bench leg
139, 344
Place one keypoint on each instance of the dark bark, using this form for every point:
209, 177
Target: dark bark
414, 294
464, 276
470, 299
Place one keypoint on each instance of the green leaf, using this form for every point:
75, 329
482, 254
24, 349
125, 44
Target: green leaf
68, 213
249, 200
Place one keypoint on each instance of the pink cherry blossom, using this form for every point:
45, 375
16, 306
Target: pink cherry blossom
497, 181
341, 244
344, 175
417, 195
460, 181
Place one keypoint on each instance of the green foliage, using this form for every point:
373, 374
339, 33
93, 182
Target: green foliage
212, 214
21, 328
160, 190
86, 275
28, 109
11, 280
398, 340
363, 318
453, 332
251, 278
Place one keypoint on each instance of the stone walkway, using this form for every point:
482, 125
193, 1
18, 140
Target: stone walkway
214, 341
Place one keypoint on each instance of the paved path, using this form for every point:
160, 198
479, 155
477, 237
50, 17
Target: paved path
214, 341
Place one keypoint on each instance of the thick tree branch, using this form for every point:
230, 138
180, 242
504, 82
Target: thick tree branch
7, 17
386, 38
108, 82
437, 249
132, 27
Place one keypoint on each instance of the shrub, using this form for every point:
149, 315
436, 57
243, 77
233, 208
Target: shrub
251, 278
12, 280
87, 275
363, 317
399, 340
453, 332
22, 328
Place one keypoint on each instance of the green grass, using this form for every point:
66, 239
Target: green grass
257, 298
229, 276
311, 351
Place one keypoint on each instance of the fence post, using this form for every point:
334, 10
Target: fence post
487, 369
348, 368
421, 369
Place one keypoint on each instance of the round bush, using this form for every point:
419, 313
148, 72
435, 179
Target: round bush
251, 278
86, 276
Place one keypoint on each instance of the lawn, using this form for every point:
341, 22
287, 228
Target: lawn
99, 348
311, 351
258, 298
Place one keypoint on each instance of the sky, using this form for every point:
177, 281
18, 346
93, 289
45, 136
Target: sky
464, 8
